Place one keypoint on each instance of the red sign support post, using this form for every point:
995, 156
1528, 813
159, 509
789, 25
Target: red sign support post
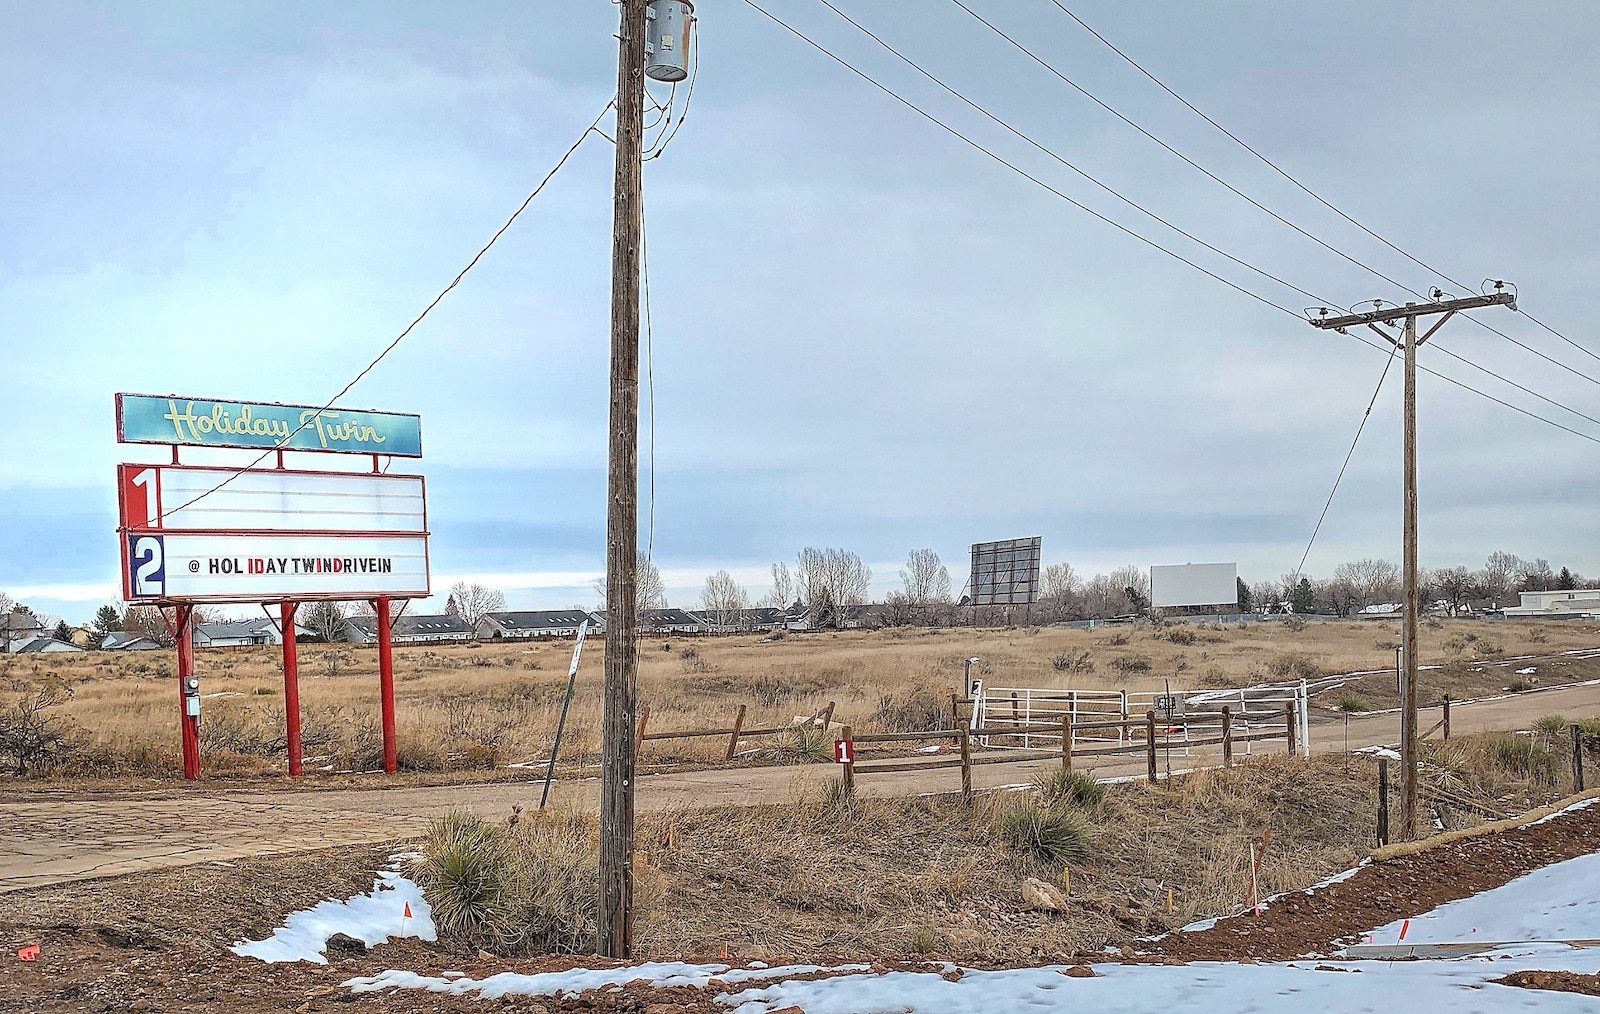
291, 688
188, 693
386, 684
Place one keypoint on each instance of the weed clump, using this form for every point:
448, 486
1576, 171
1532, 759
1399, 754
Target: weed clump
1523, 757
1073, 662
1052, 836
1352, 703
913, 710
1071, 788
525, 887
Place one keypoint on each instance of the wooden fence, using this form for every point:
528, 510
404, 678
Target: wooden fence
1148, 729
734, 733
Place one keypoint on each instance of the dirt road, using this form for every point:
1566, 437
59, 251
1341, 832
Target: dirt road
56, 840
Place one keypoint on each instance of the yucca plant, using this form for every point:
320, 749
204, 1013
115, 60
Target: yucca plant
462, 873
1058, 786
1052, 836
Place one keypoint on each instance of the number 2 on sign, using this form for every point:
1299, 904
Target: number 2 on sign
147, 561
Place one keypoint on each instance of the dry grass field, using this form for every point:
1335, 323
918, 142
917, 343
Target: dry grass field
479, 708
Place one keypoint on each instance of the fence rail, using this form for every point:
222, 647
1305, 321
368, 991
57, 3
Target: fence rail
735, 734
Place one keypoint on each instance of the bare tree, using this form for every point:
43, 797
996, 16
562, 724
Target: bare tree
1058, 582
1370, 580
326, 621
782, 593
1535, 575
1267, 596
648, 590
925, 580
473, 601
829, 580
147, 621
723, 599
1498, 571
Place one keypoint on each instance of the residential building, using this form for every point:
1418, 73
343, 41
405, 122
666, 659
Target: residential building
1577, 603
128, 640
239, 633
521, 625
757, 618
407, 629
39, 643
665, 621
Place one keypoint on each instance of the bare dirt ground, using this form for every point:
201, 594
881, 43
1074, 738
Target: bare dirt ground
158, 941
64, 834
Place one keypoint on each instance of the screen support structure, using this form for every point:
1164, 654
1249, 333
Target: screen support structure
188, 692
291, 688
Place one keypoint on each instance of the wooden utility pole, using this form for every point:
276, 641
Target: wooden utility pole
614, 936
1409, 341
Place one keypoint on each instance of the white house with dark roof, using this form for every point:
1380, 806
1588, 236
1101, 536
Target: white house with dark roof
128, 640
407, 629
240, 633
521, 625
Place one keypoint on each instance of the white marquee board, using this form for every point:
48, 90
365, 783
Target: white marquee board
184, 498
225, 567
1194, 584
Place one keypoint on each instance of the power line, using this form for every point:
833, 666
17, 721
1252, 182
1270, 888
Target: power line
1058, 158
1189, 161
1286, 175
1011, 165
1029, 140
1097, 215
1340, 477
283, 444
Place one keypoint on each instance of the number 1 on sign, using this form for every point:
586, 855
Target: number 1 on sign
141, 498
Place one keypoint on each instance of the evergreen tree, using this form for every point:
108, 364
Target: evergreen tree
62, 631
1244, 595
107, 619
1303, 599
1565, 581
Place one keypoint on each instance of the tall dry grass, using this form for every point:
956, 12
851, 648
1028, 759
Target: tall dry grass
482, 707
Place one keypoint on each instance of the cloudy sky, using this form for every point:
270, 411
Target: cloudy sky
867, 334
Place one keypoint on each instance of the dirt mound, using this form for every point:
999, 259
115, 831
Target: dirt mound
1382, 892
1562, 982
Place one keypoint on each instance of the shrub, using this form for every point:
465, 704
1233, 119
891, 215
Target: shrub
1489, 649
1524, 757
1294, 623
263, 691
1118, 639
923, 939
1551, 725
1071, 788
1181, 635
1127, 665
527, 887
1349, 703
1080, 662
462, 874
1519, 685
32, 738
1538, 636
1053, 836
810, 741
1293, 666
913, 710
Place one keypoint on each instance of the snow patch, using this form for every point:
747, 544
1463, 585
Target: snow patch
1379, 751
576, 980
1556, 902
1528, 671
373, 918
1582, 804
1440, 987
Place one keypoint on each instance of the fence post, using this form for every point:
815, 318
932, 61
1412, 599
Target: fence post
1447, 717
1150, 745
827, 715
638, 736
955, 709
733, 741
1122, 730
1288, 726
1016, 715
1072, 712
1303, 709
1066, 742
1383, 801
966, 766
1577, 758
1227, 737
847, 774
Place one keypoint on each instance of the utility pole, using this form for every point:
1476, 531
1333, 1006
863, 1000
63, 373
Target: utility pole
614, 936
1409, 341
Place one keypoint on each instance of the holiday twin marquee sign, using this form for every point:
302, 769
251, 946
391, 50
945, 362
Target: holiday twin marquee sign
211, 534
